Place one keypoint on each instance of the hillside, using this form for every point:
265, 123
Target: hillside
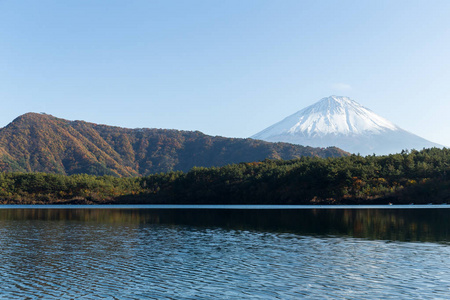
43, 143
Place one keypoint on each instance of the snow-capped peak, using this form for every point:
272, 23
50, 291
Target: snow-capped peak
344, 123
332, 115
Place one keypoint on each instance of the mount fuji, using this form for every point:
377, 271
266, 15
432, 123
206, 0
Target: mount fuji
344, 123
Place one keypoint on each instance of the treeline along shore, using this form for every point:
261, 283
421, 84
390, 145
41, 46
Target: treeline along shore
409, 177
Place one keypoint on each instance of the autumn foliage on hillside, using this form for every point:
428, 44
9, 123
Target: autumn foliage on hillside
43, 143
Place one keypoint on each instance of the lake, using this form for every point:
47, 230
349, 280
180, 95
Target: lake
225, 252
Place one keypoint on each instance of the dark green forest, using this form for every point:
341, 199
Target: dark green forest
408, 177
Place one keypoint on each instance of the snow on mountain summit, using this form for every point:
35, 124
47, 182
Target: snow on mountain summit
342, 122
331, 115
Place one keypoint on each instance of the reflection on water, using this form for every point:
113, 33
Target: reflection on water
234, 254
425, 225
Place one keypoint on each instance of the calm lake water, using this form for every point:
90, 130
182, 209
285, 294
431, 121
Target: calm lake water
171, 252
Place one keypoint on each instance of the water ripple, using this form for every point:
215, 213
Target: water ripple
66, 260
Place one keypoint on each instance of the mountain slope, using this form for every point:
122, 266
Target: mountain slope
342, 122
43, 143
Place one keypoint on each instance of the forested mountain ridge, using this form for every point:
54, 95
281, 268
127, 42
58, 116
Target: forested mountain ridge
43, 143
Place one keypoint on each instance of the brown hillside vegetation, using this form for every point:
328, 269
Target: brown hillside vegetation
43, 143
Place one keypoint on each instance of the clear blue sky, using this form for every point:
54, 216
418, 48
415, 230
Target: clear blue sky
227, 68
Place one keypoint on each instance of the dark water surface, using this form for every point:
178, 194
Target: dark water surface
74, 252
